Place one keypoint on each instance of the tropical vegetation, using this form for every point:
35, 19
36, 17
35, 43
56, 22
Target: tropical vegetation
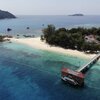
73, 38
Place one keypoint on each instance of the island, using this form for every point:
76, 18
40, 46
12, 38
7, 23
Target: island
81, 39
77, 15
6, 14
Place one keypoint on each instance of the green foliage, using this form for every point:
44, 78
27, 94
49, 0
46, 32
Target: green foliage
1, 38
98, 38
72, 38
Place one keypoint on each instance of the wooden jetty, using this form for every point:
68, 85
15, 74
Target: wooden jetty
77, 77
89, 64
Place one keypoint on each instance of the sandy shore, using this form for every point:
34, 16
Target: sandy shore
38, 44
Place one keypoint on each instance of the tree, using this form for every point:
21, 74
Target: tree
71, 38
47, 32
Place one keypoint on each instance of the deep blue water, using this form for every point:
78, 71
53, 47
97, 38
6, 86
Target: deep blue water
31, 74
35, 23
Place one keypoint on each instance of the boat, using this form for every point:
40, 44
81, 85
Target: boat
27, 28
73, 77
9, 29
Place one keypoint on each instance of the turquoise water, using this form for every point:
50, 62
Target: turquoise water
31, 74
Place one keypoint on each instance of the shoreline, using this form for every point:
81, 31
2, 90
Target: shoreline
38, 44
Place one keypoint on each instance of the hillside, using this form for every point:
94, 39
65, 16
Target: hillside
6, 14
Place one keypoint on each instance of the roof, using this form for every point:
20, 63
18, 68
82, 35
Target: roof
75, 73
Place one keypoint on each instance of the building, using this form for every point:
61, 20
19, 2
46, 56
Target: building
73, 77
91, 39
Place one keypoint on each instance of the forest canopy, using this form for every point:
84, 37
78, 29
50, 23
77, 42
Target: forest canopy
82, 39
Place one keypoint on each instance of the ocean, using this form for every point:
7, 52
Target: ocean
37, 23
31, 74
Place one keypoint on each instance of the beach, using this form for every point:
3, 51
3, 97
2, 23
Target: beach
38, 44
31, 69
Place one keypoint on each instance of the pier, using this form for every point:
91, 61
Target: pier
89, 64
77, 77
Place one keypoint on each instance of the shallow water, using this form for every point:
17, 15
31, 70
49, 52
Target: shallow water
31, 74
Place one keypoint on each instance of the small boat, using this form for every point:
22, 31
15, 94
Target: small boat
9, 29
28, 28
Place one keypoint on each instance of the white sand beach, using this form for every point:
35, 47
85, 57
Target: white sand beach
38, 44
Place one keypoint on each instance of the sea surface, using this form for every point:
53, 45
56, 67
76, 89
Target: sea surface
37, 23
30, 74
